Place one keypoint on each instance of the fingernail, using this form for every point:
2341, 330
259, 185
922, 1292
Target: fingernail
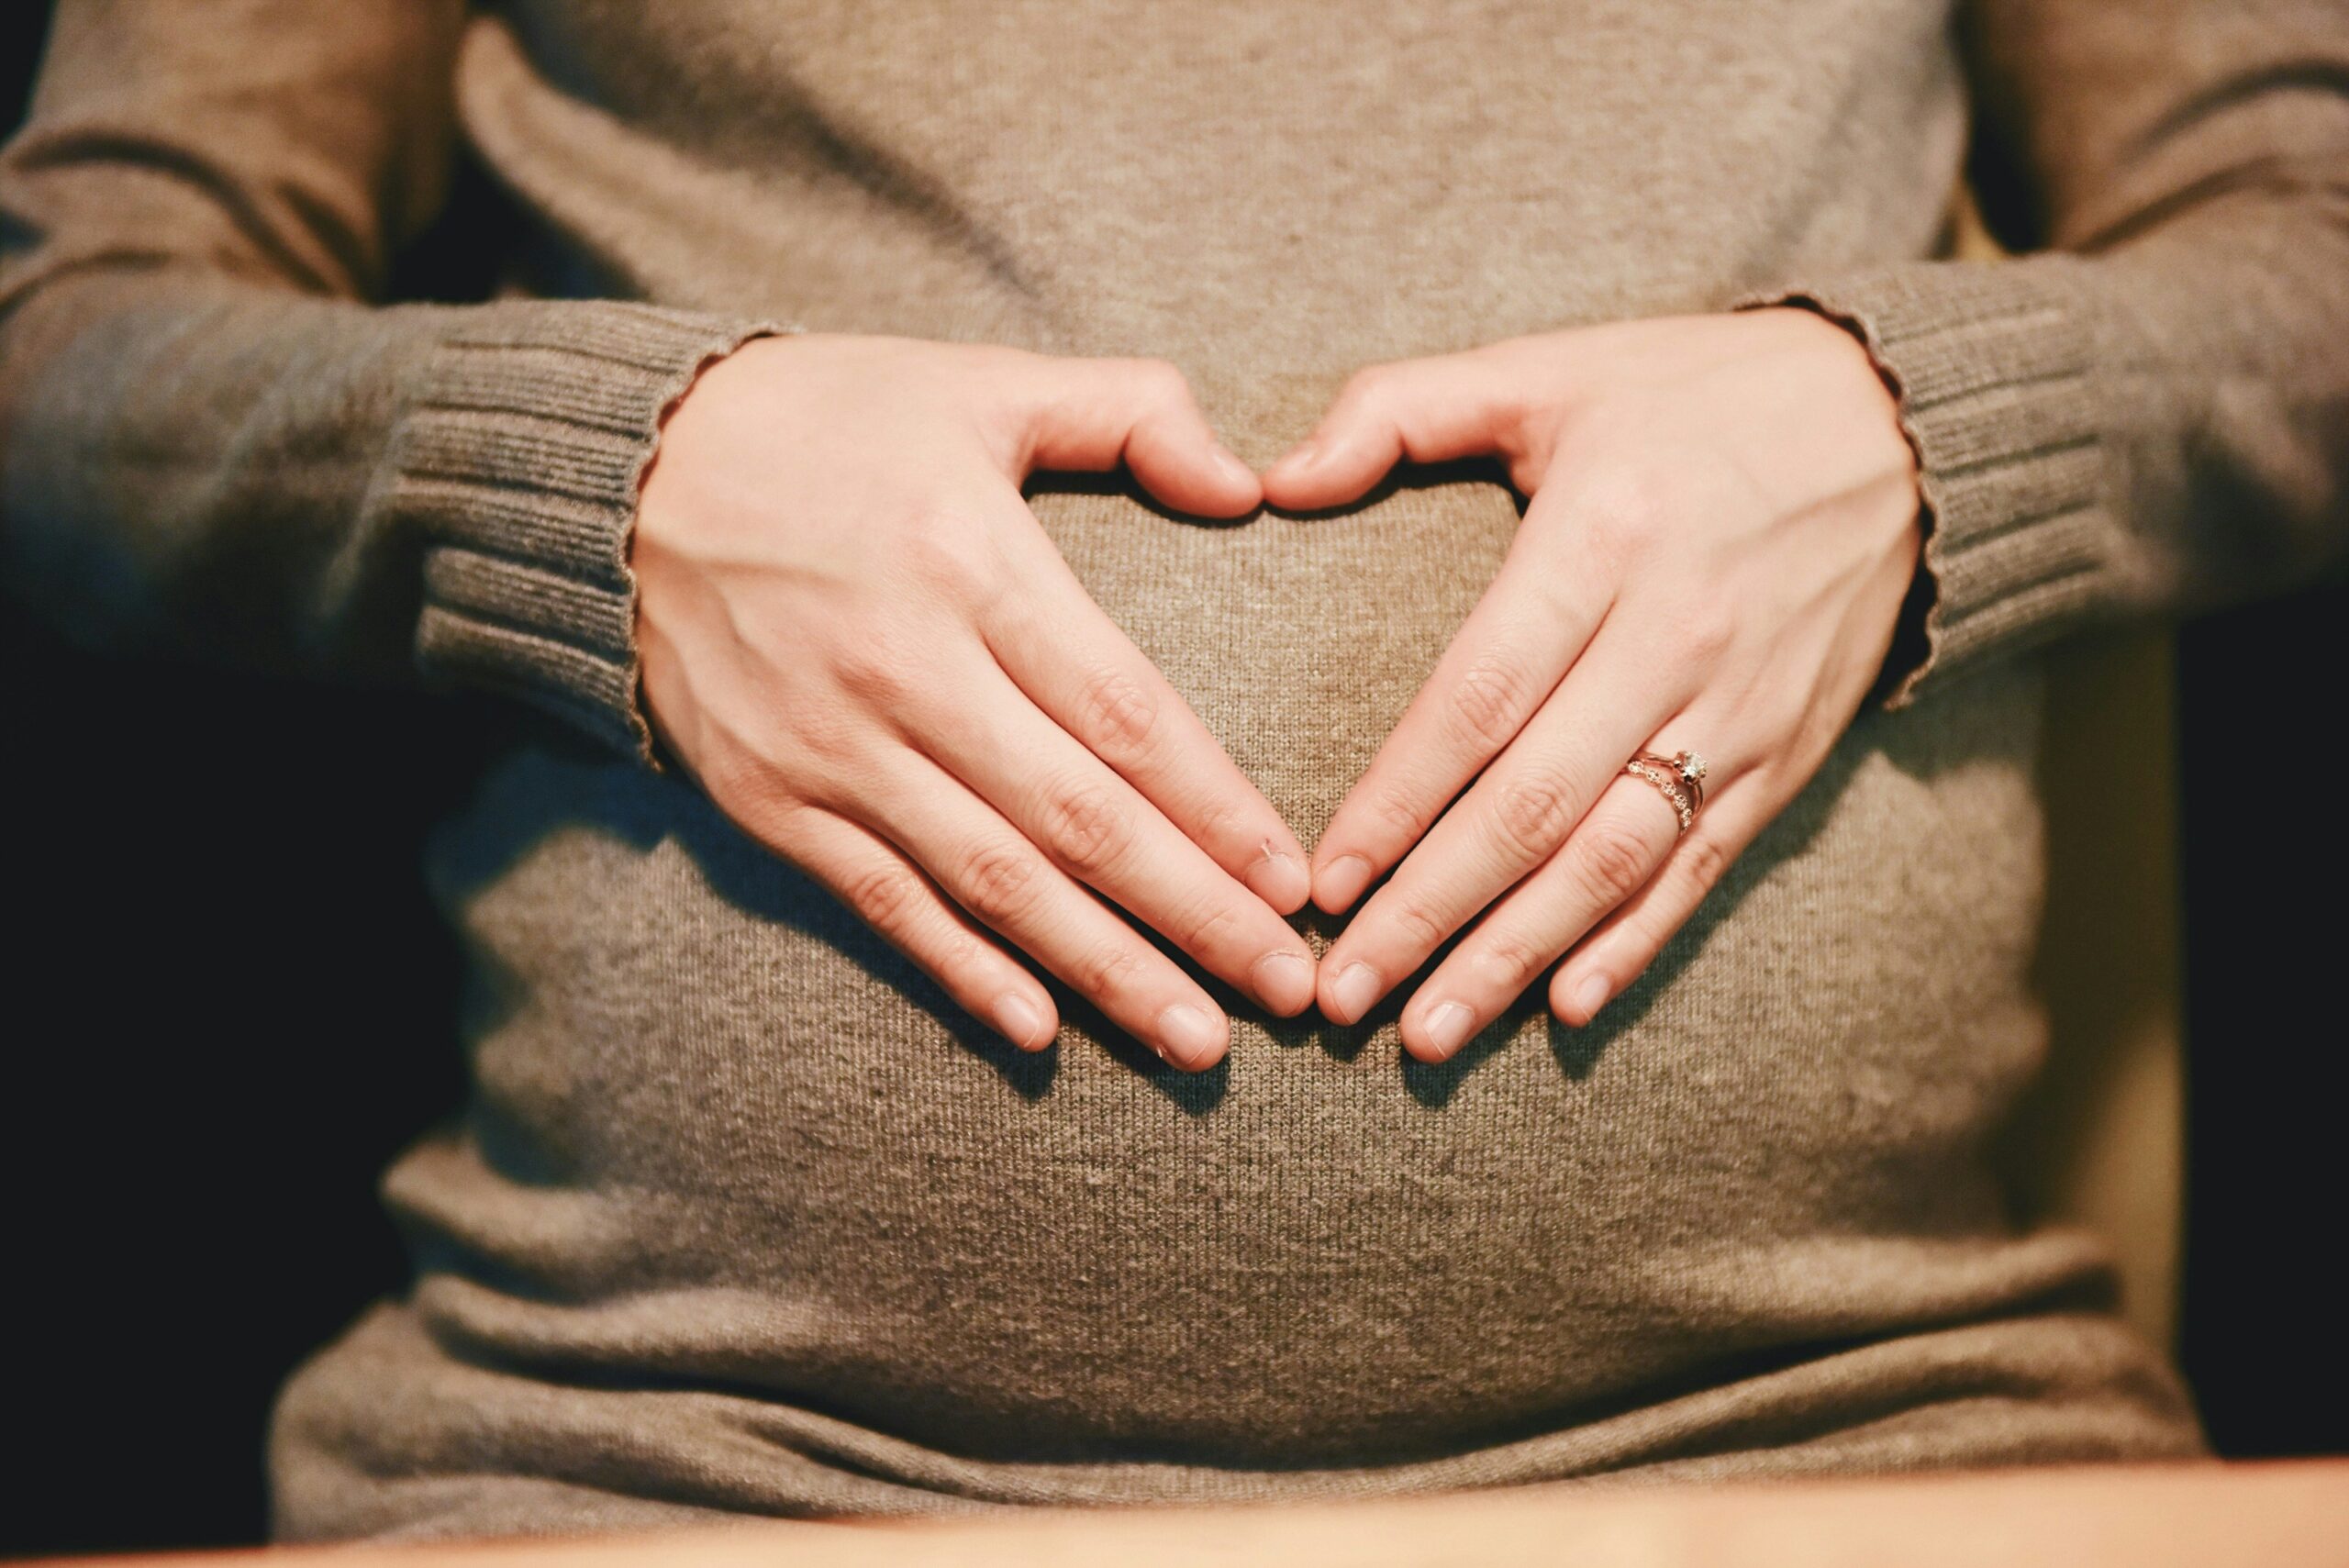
1340, 883
1234, 470
1447, 1027
1305, 454
1590, 996
1284, 982
1018, 1020
1279, 881
1189, 1036
1357, 989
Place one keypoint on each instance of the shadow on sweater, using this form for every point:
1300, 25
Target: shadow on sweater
555, 780
1918, 750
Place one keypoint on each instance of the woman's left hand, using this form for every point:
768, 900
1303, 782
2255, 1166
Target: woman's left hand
1723, 522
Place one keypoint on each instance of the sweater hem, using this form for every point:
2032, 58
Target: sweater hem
1991, 374
521, 459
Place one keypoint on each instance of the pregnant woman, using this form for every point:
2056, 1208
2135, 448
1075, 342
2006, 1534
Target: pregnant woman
1452, 910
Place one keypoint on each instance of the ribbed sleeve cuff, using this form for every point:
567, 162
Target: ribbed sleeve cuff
519, 459
1992, 368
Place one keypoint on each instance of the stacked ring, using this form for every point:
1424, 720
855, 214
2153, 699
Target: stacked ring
1681, 778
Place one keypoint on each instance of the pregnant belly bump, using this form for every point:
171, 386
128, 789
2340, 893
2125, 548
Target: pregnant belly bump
725, 1137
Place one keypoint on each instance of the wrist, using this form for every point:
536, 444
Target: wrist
1993, 366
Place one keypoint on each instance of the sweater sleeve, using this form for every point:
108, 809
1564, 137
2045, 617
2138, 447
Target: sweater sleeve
215, 438
2147, 413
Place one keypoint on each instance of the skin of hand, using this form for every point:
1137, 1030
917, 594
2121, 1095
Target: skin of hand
1722, 522
860, 642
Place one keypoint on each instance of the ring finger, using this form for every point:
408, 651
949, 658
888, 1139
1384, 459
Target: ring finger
1511, 820
1611, 853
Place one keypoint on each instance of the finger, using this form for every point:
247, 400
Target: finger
885, 891
1619, 949
1428, 410
990, 868
1506, 659
1097, 827
1093, 414
1610, 856
1073, 662
1512, 819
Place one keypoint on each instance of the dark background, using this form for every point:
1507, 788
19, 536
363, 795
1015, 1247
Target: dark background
229, 1004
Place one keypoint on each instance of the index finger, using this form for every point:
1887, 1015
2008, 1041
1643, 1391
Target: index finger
1075, 663
1506, 659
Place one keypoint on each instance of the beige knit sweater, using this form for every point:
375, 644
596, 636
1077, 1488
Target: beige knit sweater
742, 1215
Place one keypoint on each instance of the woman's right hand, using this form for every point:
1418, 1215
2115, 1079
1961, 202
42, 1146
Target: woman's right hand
862, 644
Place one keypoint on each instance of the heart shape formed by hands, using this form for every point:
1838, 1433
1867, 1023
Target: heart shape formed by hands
901, 687
1722, 526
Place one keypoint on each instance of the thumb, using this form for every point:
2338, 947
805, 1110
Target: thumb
1091, 414
1429, 410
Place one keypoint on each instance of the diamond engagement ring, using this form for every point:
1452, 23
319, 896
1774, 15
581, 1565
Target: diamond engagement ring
1680, 777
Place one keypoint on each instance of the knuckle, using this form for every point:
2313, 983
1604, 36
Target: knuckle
1166, 379
877, 677
1203, 928
1703, 621
1626, 508
1086, 825
965, 959
886, 898
1216, 821
828, 735
878, 670
1613, 860
1797, 731
1704, 860
1506, 959
1705, 632
1491, 700
944, 550
1107, 970
782, 823
1418, 924
748, 787
1397, 810
1157, 381
1365, 388
1116, 712
999, 882
1530, 816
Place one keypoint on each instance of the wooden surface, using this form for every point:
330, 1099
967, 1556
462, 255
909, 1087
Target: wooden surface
2210, 1516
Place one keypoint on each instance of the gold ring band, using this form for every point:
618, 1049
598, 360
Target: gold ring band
1680, 777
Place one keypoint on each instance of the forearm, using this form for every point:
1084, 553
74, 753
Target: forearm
234, 469
2158, 431
214, 435
2148, 413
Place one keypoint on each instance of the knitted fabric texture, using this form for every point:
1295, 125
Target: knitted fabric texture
743, 1217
